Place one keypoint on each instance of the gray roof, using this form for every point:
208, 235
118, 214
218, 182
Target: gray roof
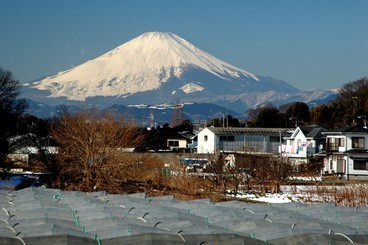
45, 216
348, 129
313, 131
252, 131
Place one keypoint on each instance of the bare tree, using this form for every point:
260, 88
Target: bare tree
9, 92
11, 108
269, 171
92, 150
235, 177
216, 172
280, 171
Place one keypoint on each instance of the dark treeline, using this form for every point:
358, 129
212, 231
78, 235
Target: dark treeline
349, 108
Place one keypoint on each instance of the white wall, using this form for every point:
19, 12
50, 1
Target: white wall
349, 168
182, 143
349, 141
206, 146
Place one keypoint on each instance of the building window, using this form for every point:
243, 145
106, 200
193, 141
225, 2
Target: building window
173, 143
360, 165
274, 138
357, 142
205, 138
333, 144
227, 138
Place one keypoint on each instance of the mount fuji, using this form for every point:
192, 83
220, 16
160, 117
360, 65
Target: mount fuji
158, 67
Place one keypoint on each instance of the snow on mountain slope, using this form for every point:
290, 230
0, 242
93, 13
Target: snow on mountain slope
157, 68
142, 64
191, 88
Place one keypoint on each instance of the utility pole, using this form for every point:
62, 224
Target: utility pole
296, 121
364, 120
313, 109
354, 98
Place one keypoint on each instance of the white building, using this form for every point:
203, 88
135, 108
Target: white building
177, 143
226, 139
304, 143
181, 141
346, 152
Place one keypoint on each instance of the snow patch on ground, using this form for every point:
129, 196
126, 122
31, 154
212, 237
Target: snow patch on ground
270, 198
287, 194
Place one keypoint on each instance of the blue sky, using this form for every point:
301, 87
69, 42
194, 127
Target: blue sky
311, 44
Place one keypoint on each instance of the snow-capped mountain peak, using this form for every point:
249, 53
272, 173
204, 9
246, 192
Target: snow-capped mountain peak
159, 67
142, 64
159, 50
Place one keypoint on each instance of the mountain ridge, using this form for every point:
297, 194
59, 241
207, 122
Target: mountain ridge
138, 114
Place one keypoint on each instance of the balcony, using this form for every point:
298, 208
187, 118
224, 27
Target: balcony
332, 148
298, 151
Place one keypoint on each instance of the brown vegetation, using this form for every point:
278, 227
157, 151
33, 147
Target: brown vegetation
350, 195
92, 151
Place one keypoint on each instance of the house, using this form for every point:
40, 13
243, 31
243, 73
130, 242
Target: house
227, 139
346, 152
23, 155
24, 148
304, 143
192, 146
176, 143
180, 141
